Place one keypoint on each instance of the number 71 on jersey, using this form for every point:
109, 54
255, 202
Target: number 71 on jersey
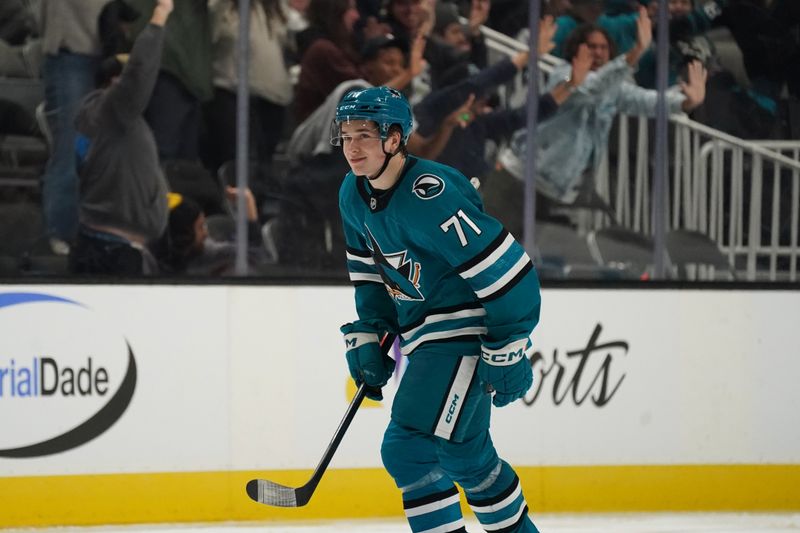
454, 222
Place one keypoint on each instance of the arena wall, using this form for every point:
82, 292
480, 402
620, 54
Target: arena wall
137, 404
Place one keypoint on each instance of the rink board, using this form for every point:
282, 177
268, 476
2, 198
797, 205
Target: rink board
157, 404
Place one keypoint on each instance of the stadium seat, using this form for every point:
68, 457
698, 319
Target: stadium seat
628, 252
695, 257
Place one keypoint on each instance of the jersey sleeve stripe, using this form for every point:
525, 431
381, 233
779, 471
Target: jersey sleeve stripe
489, 260
504, 280
511, 283
468, 265
365, 276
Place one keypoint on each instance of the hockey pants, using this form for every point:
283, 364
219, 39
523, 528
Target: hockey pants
426, 468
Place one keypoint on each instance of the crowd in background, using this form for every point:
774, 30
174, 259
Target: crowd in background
140, 109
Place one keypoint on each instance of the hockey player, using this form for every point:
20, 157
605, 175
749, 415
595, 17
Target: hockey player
430, 265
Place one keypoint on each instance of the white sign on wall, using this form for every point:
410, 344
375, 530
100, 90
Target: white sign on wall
107, 379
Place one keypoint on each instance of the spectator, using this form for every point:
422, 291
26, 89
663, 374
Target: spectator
270, 86
327, 52
467, 147
769, 38
369, 25
71, 46
187, 247
407, 18
621, 28
454, 48
573, 142
688, 24
123, 191
174, 112
296, 17
116, 27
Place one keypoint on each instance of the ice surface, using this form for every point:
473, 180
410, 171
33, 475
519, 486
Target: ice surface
547, 523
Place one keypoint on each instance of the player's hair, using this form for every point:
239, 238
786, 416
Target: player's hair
396, 128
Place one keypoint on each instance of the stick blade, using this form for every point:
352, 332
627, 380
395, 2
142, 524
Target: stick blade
270, 493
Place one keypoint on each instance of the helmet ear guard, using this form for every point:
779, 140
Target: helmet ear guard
383, 105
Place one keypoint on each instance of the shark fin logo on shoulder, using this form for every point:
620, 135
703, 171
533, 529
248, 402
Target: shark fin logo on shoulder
428, 186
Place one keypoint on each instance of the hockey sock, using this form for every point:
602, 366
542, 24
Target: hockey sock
434, 508
501, 507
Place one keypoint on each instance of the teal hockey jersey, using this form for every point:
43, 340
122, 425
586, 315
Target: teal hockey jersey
429, 264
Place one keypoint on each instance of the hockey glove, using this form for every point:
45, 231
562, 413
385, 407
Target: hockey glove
505, 369
365, 360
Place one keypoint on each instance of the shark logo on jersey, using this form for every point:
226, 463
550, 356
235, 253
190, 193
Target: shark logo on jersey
428, 186
400, 273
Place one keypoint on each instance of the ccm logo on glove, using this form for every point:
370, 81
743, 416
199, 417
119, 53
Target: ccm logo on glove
505, 356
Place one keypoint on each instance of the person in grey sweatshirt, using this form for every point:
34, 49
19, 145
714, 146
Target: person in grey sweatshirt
123, 204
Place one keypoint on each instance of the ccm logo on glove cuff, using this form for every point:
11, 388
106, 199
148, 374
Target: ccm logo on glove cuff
507, 355
355, 340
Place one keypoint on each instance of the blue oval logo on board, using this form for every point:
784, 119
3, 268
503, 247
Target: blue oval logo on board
66, 374
428, 186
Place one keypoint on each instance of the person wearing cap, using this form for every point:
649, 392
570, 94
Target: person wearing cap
454, 46
123, 201
406, 18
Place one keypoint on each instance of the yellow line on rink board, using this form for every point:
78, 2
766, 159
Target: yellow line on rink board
367, 493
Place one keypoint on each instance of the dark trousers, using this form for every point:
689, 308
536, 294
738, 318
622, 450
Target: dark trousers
105, 254
175, 117
266, 127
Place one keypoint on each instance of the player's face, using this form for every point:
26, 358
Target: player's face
598, 48
362, 146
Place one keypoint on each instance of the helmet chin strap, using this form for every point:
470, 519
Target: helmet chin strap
386, 159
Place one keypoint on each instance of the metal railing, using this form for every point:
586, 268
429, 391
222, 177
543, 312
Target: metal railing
743, 194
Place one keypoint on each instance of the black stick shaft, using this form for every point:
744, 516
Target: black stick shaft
355, 403
337, 437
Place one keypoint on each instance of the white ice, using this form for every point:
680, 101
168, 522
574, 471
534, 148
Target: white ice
547, 523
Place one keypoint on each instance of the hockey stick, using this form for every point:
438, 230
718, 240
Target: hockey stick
271, 493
